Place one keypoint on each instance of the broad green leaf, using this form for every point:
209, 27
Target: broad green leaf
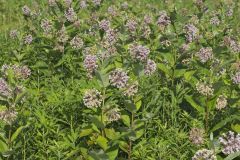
3, 146
102, 78
126, 120
179, 73
130, 106
97, 122
98, 155
236, 127
124, 146
224, 122
85, 132
190, 100
112, 152
72, 153
102, 142
138, 104
188, 75
16, 133
111, 134
163, 68
232, 156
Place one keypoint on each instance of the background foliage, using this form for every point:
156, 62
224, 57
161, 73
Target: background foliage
53, 121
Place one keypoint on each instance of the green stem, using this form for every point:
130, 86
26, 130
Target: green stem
102, 113
206, 116
130, 142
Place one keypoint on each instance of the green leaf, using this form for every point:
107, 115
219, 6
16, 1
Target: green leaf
190, 100
179, 73
102, 142
3, 147
126, 120
232, 156
224, 122
138, 104
72, 153
236, 127
112, 152
111, 134
85, 132
130, 106
16, 133
188, 75
163, 68
98, 155
97, 122
102, 78
124, 146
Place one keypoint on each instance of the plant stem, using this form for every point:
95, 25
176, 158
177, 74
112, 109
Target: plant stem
206, 116
102, 113
130, 142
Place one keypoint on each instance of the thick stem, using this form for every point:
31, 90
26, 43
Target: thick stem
206, 116
102, 113
130, 142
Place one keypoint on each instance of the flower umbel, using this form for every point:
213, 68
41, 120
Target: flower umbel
113, 115
196, 136
221, 102
139, 52
204, 154
118, 78
230, 143
204, 89
150, 67
92, 98
205, 54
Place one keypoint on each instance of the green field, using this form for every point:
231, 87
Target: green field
116, 80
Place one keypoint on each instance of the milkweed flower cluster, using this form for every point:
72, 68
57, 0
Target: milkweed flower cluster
205, 54
139, 52
131, 25
112, 11
97, 2
236, 78
26, 10
8, 116
192, 32
163, 19
113, 115
204, 154
70, 15
215, 21
76, 42
28, 39
230, 142
110, 37
221, 102
90, 64
150, 67
68, 3
147, 19
92, 98
46, 25
104, 24
83, 4
52, 3
118, 78
204, 89
196, 136
4, 88
13, 34
131, 89
62, 35
19, 71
